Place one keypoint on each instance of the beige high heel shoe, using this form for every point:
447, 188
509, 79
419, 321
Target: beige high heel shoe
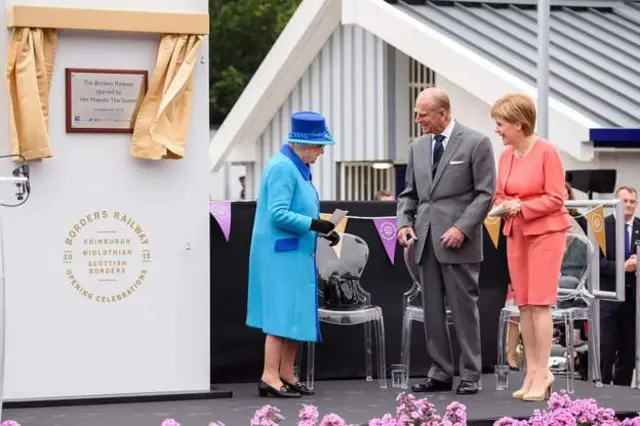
541, 394
522, 391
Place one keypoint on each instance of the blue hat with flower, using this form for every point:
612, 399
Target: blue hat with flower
308, 127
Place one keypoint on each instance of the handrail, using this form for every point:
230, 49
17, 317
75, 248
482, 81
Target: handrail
593, 282
619, 293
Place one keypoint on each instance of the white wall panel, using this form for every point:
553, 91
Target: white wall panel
70, 332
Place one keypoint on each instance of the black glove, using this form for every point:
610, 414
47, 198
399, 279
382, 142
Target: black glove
322, 226
333, 237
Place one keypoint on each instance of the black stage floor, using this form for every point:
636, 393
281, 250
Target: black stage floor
355, 401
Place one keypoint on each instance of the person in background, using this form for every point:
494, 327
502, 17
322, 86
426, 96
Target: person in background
530, 189
243, 185
618, 319
384, 196
283, 288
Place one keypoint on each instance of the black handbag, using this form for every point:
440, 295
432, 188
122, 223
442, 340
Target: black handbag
341, 293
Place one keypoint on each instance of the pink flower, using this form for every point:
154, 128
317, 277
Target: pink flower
456, 414
267, 416
332, 420
12, 423
386, 420
167, 422
559, 400
216, 424
308, 415
562, 417
508, 421
631, 422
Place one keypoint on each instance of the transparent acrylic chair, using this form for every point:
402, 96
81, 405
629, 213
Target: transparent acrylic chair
574, 303
412, 312
348, 269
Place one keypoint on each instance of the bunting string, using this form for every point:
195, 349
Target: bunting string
386, 226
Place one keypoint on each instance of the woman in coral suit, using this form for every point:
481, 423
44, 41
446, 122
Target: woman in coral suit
282, 299
530, 187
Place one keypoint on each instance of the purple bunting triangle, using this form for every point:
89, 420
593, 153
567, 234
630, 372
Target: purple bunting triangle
221, 211
387, 229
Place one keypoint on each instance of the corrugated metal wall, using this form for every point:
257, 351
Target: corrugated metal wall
346, 83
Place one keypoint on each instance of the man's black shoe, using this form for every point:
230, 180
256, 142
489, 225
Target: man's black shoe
432, 385
467, 388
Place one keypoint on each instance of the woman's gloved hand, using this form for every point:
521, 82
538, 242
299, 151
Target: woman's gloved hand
333, 238
322, 226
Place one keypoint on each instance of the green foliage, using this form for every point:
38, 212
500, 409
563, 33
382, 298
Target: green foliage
242, 32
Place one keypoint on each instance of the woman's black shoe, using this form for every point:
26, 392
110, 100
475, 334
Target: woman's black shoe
284, 392
298, 387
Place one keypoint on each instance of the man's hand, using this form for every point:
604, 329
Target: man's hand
631, 264
453, 238
406, 236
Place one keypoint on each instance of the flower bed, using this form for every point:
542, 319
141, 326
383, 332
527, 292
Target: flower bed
561, 411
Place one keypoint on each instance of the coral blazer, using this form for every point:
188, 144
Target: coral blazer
537, 180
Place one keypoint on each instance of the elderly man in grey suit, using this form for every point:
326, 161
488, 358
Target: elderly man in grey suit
450, 182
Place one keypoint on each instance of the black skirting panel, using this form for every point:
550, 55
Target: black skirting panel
237, 351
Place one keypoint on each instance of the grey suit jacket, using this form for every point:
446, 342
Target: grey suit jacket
459, 195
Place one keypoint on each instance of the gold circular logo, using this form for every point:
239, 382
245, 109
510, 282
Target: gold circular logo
106, 256
596, 223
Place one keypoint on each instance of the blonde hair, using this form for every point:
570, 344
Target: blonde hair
516, 108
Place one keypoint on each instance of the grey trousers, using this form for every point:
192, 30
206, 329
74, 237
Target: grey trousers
455, 286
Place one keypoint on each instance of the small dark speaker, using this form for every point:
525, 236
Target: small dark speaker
591, 180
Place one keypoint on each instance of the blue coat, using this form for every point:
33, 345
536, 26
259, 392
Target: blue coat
283, 289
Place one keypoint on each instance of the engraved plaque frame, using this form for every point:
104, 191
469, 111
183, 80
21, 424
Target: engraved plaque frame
113, 117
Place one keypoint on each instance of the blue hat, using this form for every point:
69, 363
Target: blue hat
309, 127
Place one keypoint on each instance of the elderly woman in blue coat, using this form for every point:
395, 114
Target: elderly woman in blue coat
283, 289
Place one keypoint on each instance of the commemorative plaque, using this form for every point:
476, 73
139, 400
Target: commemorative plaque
103, 101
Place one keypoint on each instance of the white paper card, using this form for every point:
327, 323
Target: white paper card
337, 216
498, 210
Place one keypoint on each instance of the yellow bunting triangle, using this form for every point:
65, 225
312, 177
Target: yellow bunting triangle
493, 228
340, 228
595, 219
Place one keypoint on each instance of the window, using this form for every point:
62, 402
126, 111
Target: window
420, 78
360, 181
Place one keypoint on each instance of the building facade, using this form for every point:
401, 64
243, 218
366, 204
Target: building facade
366, 75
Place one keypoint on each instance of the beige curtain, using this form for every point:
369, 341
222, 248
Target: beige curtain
28, 74
161, 125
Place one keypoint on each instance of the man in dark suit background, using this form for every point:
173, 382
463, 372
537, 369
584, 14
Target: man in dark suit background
617, 319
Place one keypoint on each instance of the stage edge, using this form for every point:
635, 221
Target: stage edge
213, 393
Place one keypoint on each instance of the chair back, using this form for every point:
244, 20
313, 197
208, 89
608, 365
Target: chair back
576, 266
410, 295
409, 260
339, 277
